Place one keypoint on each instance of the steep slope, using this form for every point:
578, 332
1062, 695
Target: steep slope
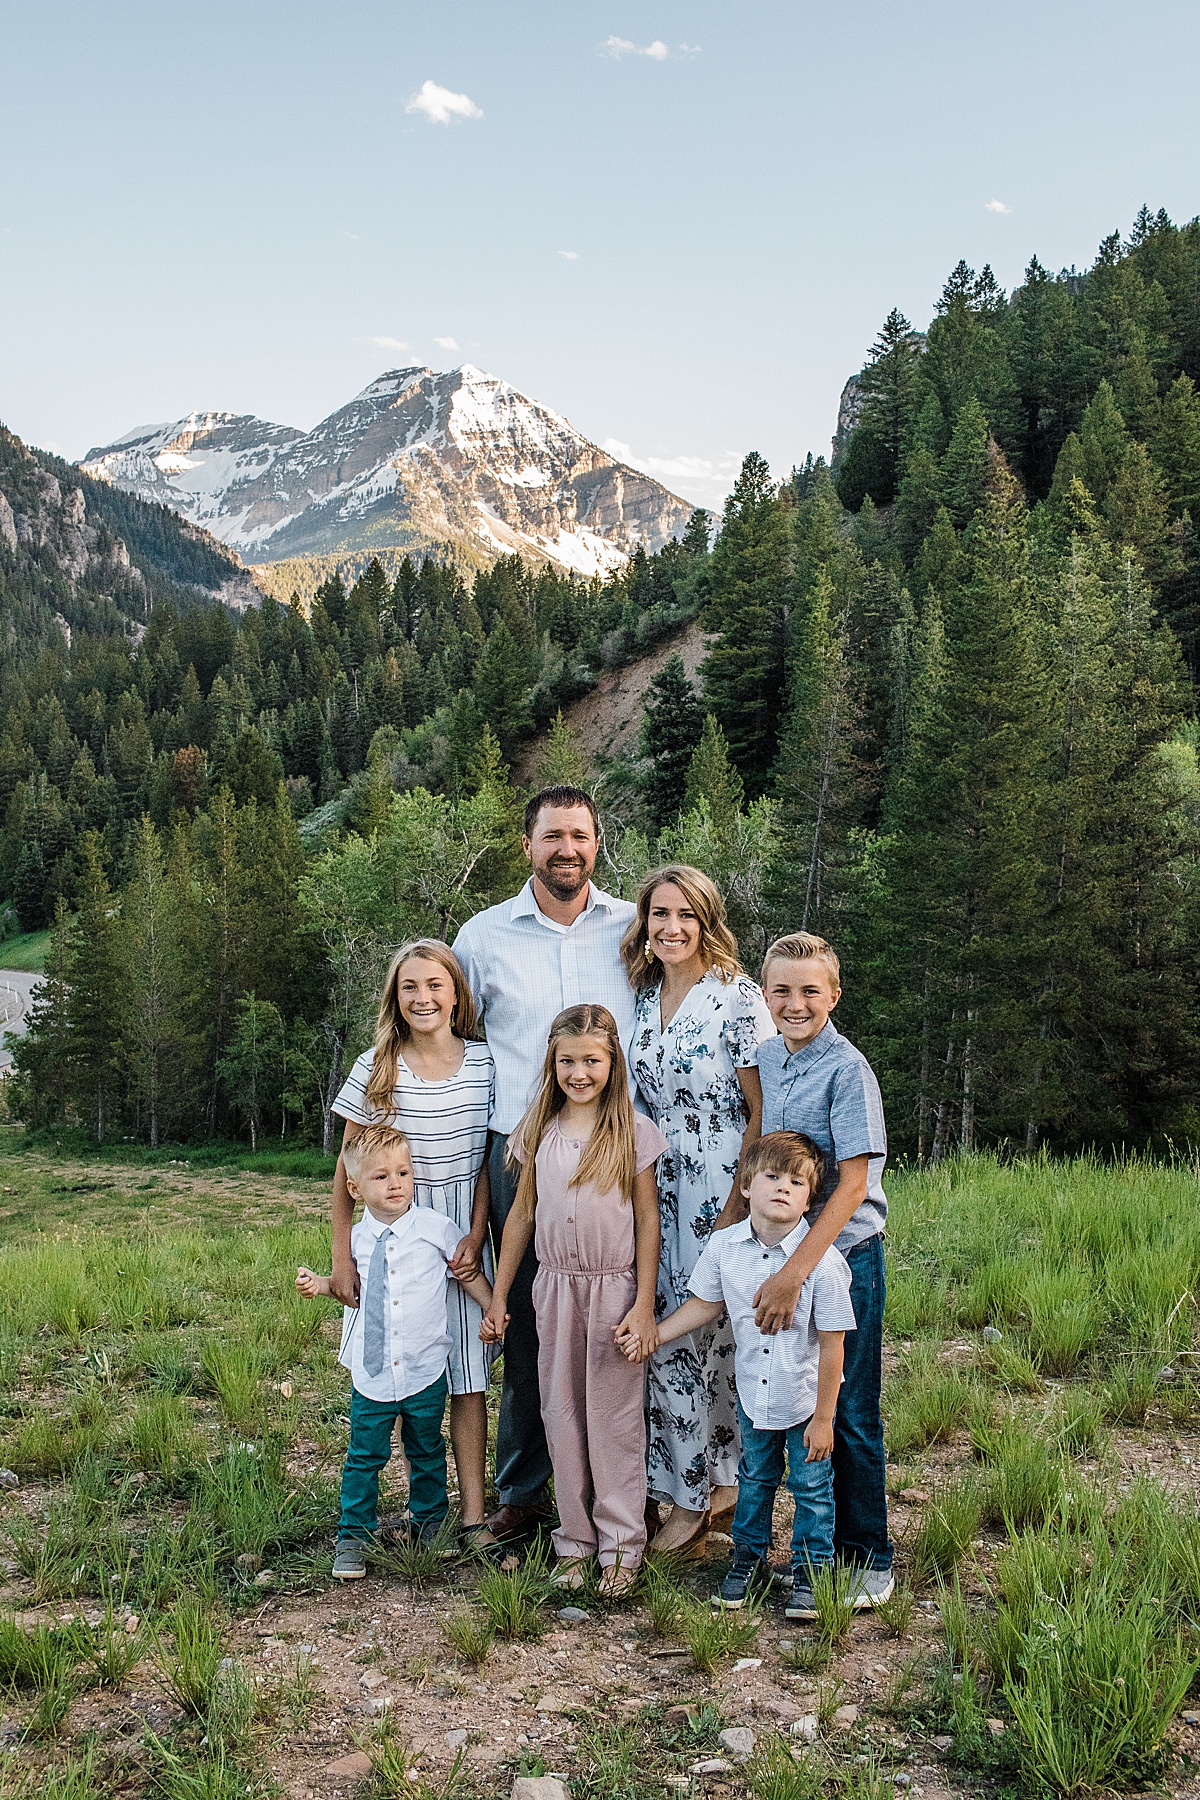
419, 460
76, 553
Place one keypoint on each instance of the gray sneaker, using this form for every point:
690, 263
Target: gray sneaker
349, 1560
802, 1602
871, 1588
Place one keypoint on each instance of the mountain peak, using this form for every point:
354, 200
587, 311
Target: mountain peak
417, 460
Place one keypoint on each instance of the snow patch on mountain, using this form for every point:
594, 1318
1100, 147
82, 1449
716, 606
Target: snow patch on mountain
416, 458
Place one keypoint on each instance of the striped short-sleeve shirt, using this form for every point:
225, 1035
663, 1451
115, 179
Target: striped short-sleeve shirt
445, 1122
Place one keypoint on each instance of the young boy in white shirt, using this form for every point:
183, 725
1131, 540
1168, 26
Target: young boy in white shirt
395, 1342
787, 1383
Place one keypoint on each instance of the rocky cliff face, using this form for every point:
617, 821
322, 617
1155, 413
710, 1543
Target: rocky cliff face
418, 459
43, 517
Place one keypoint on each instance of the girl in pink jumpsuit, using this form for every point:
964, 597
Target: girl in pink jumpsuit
587, 1195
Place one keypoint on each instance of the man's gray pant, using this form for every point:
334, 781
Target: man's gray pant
522, 1459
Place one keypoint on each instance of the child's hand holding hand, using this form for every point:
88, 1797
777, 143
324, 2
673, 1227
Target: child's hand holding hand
467, 1261
313, 1287
818, 1436
637, 1334
494, 1322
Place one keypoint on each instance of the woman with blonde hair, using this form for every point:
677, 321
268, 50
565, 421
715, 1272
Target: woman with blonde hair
428, 1075
698, 1023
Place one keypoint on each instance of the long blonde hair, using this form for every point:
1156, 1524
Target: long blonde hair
609, 1159
392, 1028
718, 946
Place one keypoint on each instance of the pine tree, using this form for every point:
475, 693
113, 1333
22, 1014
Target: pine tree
1111, 1051
41, 1089
150, 959
502, 686
671, 726
563, 762
966, 821
889, 390
818, 780
252, 1066
96, 1005
964, 467
712, 778
749, 585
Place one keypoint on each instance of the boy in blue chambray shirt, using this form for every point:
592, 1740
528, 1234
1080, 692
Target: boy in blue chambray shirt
814, 1081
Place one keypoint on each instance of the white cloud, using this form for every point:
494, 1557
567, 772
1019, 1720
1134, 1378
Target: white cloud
657, 51
440, 106
353, 236
389, 343
703, 479
569, 255
446, 343
998, 206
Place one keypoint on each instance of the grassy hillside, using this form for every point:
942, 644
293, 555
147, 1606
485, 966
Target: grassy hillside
27, 951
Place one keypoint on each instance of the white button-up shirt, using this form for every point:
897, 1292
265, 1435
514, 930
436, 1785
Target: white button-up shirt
776, 1376
523, 969
416, 1343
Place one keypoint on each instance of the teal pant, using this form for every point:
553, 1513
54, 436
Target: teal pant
370, 1451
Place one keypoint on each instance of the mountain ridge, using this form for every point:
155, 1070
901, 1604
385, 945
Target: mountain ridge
417, 460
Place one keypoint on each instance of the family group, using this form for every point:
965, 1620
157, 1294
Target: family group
657, 1185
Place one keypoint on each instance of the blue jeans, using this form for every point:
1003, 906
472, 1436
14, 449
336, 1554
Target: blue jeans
860, 1496
760, 1473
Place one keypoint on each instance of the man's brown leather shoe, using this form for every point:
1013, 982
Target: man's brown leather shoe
517, 1521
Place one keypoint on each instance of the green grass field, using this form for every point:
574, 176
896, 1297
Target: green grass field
27, 952
176, 1419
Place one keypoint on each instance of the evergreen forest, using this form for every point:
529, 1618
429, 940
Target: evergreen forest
946, 716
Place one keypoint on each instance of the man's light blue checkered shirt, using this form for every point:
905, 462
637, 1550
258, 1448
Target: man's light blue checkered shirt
827, 1090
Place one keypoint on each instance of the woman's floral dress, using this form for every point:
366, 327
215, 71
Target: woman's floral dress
687, 1076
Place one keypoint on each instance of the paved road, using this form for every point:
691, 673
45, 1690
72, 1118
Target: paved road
16, 986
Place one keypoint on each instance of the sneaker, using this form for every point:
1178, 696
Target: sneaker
802, 1603
434, 1534
871, 1588
349, 1559
748, 1579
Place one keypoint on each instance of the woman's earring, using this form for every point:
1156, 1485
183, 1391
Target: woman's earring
649, 952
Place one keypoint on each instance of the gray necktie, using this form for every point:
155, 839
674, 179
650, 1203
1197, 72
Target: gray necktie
374, 1305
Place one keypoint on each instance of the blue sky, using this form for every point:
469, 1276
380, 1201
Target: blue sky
680, 224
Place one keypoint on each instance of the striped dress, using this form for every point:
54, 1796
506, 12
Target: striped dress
446, 1124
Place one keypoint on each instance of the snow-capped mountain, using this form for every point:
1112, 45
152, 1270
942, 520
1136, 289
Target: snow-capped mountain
417, 459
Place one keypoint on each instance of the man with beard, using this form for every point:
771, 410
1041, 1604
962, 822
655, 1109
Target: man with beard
555, 944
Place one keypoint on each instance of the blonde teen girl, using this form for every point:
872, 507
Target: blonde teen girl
428, 1076
587, 1196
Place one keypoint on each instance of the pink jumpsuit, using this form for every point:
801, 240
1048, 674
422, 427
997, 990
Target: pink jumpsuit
592, 1398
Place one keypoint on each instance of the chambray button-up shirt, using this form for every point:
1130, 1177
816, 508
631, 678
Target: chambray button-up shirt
776, 1376
827, 1090
416, 1343
523, 969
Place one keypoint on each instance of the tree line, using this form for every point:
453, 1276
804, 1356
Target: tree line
946, 717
